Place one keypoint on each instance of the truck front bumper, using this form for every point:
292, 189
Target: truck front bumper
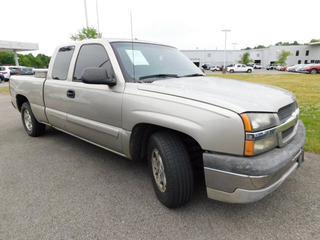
237, 179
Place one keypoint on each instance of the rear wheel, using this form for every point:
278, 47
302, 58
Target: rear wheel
249, 71
170, 168
231, 71
30, 124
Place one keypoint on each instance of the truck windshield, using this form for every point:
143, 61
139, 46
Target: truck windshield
142, 62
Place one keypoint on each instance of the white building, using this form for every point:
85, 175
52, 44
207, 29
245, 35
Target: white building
12, 46
301, 54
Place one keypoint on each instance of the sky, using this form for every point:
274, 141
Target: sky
185, 24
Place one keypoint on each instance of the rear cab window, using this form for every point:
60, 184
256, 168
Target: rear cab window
62, 63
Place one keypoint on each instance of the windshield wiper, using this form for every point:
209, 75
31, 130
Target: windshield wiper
193, 75
158, 76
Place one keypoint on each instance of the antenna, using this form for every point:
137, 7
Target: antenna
133, 65
131, 26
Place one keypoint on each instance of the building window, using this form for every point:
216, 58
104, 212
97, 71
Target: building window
305, 61
307, 53
209, 55
297, 53
312, 61
258, 54
299, 62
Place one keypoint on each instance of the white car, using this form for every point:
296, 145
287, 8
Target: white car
5, 70
215, 68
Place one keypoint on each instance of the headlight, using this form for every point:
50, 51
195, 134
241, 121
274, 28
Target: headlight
258, 137
258, 121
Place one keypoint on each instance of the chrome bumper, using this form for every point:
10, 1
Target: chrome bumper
237, 179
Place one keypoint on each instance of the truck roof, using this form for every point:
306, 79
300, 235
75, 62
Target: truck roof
110, 40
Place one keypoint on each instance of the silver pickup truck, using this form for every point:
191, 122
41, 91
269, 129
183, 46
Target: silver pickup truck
148, 101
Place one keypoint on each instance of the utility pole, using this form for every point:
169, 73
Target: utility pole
85, 9
97, 16
225, 50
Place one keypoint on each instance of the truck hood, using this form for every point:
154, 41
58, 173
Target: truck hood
235, 95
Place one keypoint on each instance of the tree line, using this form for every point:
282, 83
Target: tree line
295, 43
28, 60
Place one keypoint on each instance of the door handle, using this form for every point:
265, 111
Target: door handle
71, 93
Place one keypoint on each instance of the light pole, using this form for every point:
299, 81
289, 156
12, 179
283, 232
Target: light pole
225, 50
234, 51
85, 9
97, 15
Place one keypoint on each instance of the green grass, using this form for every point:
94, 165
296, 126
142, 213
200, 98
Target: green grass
4, 89
307, 90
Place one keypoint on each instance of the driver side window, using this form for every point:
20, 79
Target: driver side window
92, 55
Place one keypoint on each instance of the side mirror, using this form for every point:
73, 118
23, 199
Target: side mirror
95, 75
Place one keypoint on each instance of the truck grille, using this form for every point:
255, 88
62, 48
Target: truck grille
287, 132
285, 112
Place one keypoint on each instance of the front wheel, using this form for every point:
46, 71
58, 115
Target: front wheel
313, 71
30, 123
171, 169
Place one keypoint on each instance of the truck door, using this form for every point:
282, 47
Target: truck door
93, 111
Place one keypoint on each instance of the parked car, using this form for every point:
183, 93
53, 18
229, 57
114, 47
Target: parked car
215, 68
26, 71
302, 67
14, 70
255, 66
1, 77
206, 66
270, 67
240, 68
292, 68
5, 70
313, 69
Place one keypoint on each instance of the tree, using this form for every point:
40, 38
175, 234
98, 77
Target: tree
40, 61
7, 58
259, 47
282, 57
86, 33
314, 40
245, 58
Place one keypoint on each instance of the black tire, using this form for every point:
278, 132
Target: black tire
313, 71
30, 124
231, 71
249, 71
171, 169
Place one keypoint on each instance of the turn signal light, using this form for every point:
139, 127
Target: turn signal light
249, 148
246, 122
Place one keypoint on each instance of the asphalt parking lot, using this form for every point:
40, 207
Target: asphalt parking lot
59, 187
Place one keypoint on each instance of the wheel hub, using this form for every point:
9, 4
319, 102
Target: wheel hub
27, 120
158, 171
